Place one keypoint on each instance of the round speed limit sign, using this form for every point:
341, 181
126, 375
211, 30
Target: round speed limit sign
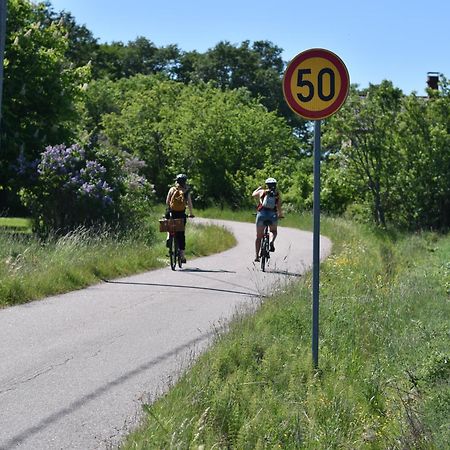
315, 84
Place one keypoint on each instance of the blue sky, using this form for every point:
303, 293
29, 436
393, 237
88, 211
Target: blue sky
397, 40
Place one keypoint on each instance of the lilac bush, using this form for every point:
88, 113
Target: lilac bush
78, 187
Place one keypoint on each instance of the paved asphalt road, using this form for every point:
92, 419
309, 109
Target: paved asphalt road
75, 368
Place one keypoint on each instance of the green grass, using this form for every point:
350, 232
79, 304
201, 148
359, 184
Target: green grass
384, 370
15, 224
31, 269
384, 374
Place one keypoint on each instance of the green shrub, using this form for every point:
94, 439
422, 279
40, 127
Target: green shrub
77, 187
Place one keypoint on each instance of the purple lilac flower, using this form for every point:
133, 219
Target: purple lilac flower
93, 169
83, 177
107, 200
87, 189
23, 166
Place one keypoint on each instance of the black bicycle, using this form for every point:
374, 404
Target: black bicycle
264, 254
171, 226
174, 250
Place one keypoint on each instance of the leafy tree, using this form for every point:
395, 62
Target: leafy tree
394, 151
106, 96
141, 56
41, 88
137, 127
79, 187
337, 193
223, 138
220, 138
109, 62
422, 179
258, 67
83, 47
363, 136
186, 70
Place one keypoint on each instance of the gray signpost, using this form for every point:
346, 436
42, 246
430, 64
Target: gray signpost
315, 86
316, 245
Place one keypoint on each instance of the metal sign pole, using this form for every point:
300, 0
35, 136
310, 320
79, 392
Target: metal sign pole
315, 86
316, 246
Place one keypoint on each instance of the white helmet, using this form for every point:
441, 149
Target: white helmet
271, 181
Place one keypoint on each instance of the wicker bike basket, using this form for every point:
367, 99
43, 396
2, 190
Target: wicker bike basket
171, 225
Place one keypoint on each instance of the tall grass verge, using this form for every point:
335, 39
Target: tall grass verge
384, 360
31, 268
15, 225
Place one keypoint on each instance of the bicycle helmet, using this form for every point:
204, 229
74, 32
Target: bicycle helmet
271, 183
181, 179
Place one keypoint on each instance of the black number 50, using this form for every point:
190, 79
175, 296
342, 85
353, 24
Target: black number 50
320, 82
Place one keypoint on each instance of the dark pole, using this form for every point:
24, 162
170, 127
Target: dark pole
2, 51
316, 245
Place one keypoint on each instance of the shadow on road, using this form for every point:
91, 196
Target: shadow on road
55, 417
284, 272
185, 286
197, 269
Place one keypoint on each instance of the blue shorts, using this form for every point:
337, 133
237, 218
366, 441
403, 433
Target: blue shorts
266, 214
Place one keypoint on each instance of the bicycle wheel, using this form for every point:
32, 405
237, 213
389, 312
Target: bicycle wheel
173, 252
264, 253
180, 263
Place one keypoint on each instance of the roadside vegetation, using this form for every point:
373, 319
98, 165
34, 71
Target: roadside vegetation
32, 268
384, 372
125, 118
15, 224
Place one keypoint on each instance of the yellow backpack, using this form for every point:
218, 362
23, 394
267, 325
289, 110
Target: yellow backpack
177, 201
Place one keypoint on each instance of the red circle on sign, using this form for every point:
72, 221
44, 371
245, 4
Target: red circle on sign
340, 98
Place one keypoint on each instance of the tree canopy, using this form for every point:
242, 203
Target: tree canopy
41, 87
219, 116
394, 150
218, 137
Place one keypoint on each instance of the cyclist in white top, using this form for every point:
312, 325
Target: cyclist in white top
269, 209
